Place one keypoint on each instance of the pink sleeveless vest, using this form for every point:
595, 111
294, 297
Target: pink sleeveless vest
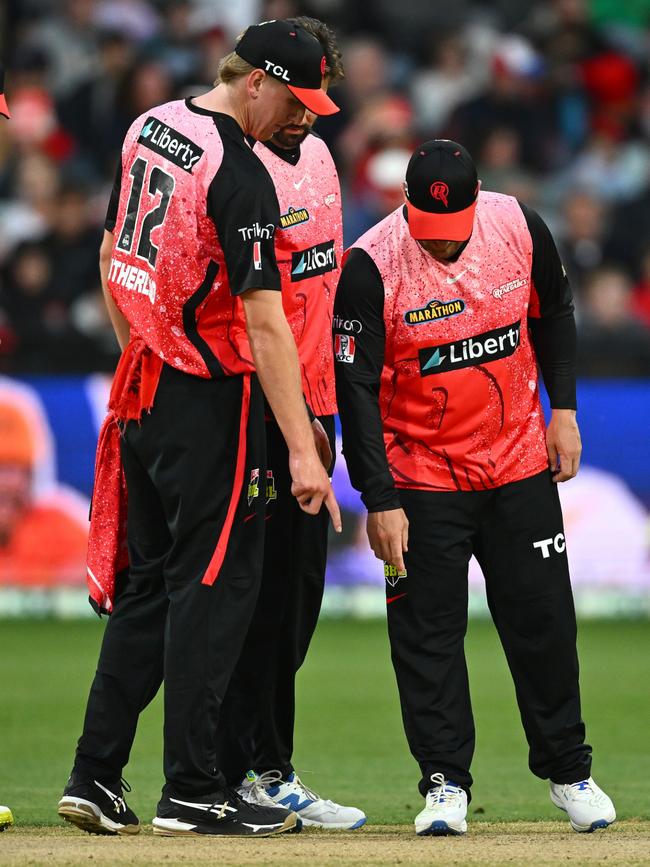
308, 248
459, 393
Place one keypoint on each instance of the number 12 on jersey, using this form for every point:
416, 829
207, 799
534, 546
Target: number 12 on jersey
159, 182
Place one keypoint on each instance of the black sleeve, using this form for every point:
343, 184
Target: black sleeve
114, 201
244, 206
552, 322
359, 339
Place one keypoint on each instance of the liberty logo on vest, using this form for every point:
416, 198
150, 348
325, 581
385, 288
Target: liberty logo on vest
480, 349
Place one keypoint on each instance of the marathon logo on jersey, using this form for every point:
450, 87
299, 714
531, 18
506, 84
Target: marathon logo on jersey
132, 278
480, 349
505, 288
434, 310
313, 261
170, 143
293, 217
344, 348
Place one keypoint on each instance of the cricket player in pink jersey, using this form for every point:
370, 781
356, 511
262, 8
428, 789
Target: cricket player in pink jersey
259, 711
191, 281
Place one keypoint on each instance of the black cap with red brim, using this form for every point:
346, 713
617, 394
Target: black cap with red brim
3, 102
442, 189
293, 56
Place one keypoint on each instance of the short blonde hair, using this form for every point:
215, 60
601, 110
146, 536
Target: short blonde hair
232, 67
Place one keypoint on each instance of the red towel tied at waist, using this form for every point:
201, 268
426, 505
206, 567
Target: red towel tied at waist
132, 394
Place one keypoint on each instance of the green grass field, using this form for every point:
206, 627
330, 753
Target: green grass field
349, 740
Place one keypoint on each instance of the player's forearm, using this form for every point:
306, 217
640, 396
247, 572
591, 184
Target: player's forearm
118, 321
276, 361
554, 342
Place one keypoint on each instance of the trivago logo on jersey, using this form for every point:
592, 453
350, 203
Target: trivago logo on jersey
472, 351
313, 261
170, 143
434, 310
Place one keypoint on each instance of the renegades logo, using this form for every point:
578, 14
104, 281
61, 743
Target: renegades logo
434, 310
254, 486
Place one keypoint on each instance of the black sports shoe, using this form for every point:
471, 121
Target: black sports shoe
223, 813
98, 809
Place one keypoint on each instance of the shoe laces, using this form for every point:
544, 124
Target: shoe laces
443, 791
274, 778
256, 787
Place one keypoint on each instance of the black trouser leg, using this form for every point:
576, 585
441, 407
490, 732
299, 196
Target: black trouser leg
427, 621
189, 448
130, 666
259, 712
521, 551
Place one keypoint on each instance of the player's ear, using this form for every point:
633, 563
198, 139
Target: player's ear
254, 82
405, 190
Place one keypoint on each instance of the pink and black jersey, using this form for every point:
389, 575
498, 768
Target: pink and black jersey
194, 213
437, 361
308, 248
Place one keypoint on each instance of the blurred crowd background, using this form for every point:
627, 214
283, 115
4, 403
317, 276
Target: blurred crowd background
551, 98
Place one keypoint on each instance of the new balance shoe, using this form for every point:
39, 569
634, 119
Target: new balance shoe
585, 803
223, 814
98, 809
445, 810
6, 818
314, 811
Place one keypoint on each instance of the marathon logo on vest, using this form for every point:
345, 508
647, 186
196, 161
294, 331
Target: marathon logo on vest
313, 261
392, 574
293, 217
344, 348
434, 310
480, 349
505, 288
170, 143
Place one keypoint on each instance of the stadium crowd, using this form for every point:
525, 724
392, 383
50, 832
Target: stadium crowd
551, 98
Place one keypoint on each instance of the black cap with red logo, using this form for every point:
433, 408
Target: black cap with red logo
292, 55
3, 102
442, 189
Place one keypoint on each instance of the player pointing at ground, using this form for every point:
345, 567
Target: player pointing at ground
460, 293
192, 286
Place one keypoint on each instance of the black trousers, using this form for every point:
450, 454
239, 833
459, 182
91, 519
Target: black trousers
257, 722
181, 468
516, 533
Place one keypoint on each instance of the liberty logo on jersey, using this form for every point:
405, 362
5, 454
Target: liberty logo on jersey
434, 310
479, 349
313, 261
170, 143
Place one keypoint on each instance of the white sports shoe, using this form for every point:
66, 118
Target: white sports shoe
587, 806
251, 790
6, 818
310, 807
444, 811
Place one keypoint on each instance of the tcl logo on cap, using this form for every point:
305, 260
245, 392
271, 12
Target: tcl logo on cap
277, 70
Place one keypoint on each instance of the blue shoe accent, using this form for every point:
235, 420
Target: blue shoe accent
439, 828
601, 823
293, 802
359, 823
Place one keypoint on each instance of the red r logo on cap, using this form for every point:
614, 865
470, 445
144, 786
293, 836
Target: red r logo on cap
440, 191
323, 66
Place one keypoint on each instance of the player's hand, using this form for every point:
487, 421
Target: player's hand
388, 534
322, 443
311, 486
563, 444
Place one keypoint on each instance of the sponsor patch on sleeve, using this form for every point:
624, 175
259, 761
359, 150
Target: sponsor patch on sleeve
344, 348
